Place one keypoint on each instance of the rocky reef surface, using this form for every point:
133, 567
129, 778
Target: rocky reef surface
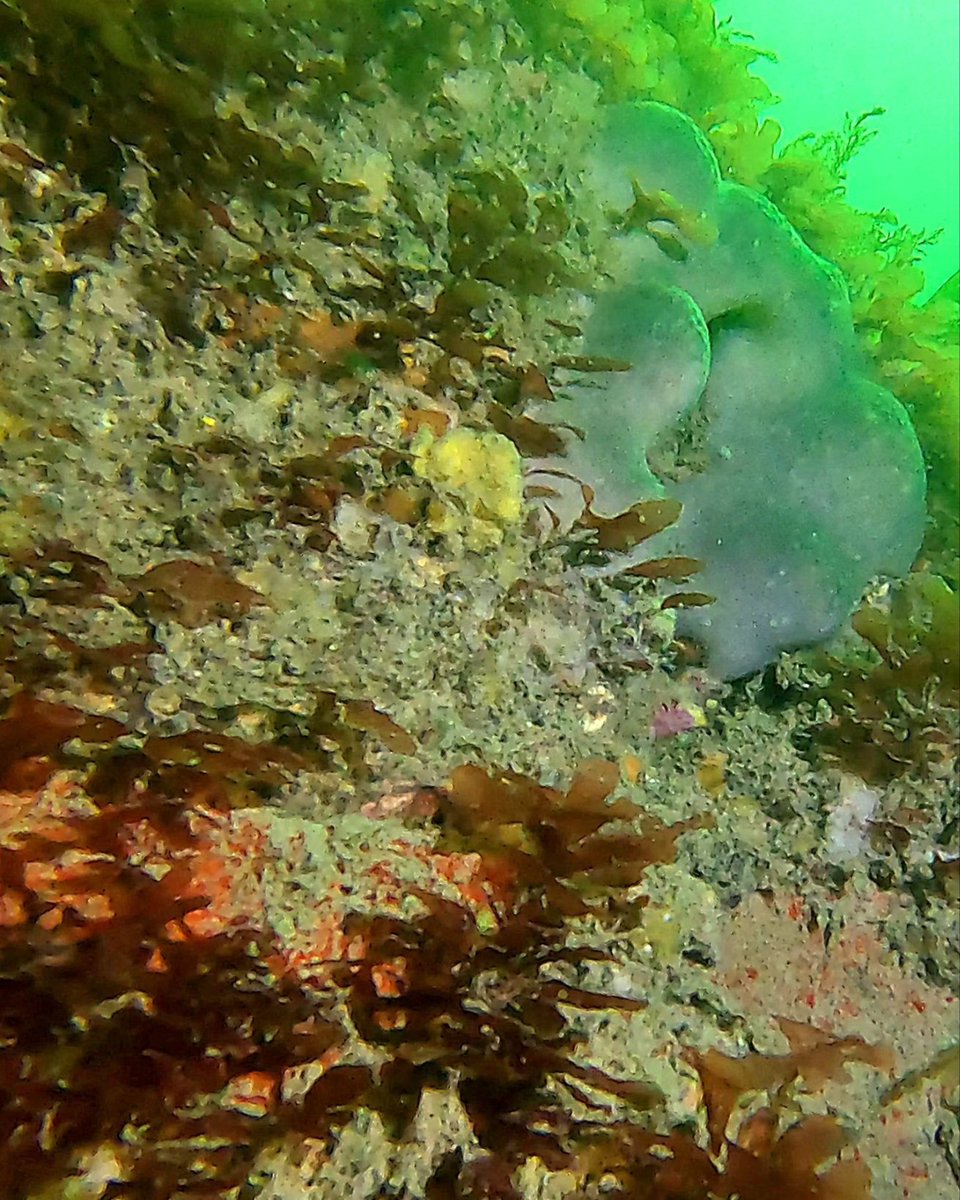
372, 822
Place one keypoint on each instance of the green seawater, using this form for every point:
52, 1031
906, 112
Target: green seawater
840, 57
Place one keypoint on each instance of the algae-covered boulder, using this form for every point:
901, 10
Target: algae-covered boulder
740, 392
357, 161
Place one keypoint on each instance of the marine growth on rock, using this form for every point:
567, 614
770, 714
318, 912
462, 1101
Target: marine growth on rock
737, 388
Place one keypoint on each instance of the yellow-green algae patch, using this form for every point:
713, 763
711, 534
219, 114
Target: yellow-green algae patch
479, 471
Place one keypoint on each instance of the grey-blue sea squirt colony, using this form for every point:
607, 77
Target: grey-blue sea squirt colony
738, 390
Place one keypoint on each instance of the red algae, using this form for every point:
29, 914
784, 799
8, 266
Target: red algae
138, 959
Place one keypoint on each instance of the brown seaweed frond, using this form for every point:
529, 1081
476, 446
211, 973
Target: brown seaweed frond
943, 1068
894, 708
39, 738
185, 590
146, 1016
628, 529
133, 1023
472, 995
796, 1162
141, 1019
456, 1006
596, 541
192, 593
814, 1057
769, 1155
551, 838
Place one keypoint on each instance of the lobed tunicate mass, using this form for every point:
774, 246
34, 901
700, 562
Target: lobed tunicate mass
739, 391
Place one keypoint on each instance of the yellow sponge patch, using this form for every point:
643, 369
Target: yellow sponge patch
481, 474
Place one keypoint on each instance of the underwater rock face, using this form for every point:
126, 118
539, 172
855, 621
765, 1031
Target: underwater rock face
745, 399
